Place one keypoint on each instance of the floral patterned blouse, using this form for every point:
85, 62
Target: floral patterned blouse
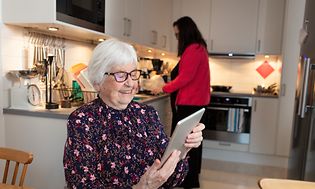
108, 148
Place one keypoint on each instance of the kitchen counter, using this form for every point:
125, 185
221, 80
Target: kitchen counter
63, 113
244, 95
43, 132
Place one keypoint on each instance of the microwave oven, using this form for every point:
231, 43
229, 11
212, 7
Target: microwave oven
88, 14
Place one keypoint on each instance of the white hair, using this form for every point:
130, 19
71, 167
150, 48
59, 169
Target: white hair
108, 54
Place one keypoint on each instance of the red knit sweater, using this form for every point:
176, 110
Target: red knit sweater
193, 80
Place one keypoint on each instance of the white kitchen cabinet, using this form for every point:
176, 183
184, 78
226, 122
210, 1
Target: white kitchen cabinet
41, 14
122, 19
263, 129
156, 23
163, 107
198, 10
270, 27
45, 138
233, 26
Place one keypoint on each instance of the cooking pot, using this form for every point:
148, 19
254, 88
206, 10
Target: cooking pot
221, 88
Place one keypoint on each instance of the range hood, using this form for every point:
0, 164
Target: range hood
232, 55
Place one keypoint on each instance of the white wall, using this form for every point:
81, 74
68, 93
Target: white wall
241, 74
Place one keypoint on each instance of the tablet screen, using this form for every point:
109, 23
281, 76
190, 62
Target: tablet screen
183, 128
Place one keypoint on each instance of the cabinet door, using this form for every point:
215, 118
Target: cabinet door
114, 18
122, 19
263, 125
163, 107
156, 25
198, 10
233, 26
270, 26
133, 19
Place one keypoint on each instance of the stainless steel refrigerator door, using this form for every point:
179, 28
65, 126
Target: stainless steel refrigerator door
303, 120
309, 168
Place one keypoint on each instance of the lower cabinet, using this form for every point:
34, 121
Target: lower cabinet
45, 138
263, 130
163, 107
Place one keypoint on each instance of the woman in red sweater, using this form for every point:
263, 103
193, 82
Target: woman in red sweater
190, 85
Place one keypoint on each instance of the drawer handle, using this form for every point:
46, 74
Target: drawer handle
224, 144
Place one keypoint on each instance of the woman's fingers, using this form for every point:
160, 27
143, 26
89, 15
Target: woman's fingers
156, 175
195, 138
199, 127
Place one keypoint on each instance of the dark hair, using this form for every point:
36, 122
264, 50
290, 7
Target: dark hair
188, 34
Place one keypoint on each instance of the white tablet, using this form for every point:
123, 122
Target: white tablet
183, 128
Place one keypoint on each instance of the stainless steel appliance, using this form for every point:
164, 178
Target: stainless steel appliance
228, 119
85, 13
302, 154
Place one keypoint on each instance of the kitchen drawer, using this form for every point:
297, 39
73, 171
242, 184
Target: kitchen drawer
221, 145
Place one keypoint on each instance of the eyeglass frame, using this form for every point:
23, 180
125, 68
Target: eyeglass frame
126, 75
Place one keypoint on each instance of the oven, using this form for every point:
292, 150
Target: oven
84, 13
228, 119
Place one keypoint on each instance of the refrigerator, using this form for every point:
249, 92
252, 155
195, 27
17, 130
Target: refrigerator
302, 153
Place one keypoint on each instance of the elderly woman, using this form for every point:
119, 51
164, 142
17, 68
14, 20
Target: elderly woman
114, 142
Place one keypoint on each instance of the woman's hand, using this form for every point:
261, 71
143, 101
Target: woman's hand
195, 138
156, 175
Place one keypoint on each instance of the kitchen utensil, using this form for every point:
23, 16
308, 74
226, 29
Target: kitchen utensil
49, 103
25, 74
221, 88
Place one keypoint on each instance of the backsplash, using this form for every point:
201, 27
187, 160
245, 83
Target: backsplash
15, 54
242, 75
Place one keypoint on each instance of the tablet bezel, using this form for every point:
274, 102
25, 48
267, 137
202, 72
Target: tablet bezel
182, 130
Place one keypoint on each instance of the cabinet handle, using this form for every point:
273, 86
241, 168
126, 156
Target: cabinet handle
129, 27
154, 37
217, 108
283, 88
224, 144
125, 26
306, 23
164, 38
255, 105
259, 45
211, 45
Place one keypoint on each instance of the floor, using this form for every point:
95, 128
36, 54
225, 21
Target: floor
227, 175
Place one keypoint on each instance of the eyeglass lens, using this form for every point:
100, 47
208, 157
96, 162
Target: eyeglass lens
123, 76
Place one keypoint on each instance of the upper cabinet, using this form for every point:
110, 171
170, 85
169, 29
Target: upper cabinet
270, 26
86, 20
146, 22
237, 26
122, 19
233, 26
156, 23
198, 10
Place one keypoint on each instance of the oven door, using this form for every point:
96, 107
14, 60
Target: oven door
89, 14
231, 124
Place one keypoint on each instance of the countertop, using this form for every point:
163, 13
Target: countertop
63, 113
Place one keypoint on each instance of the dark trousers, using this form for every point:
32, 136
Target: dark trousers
192, 178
